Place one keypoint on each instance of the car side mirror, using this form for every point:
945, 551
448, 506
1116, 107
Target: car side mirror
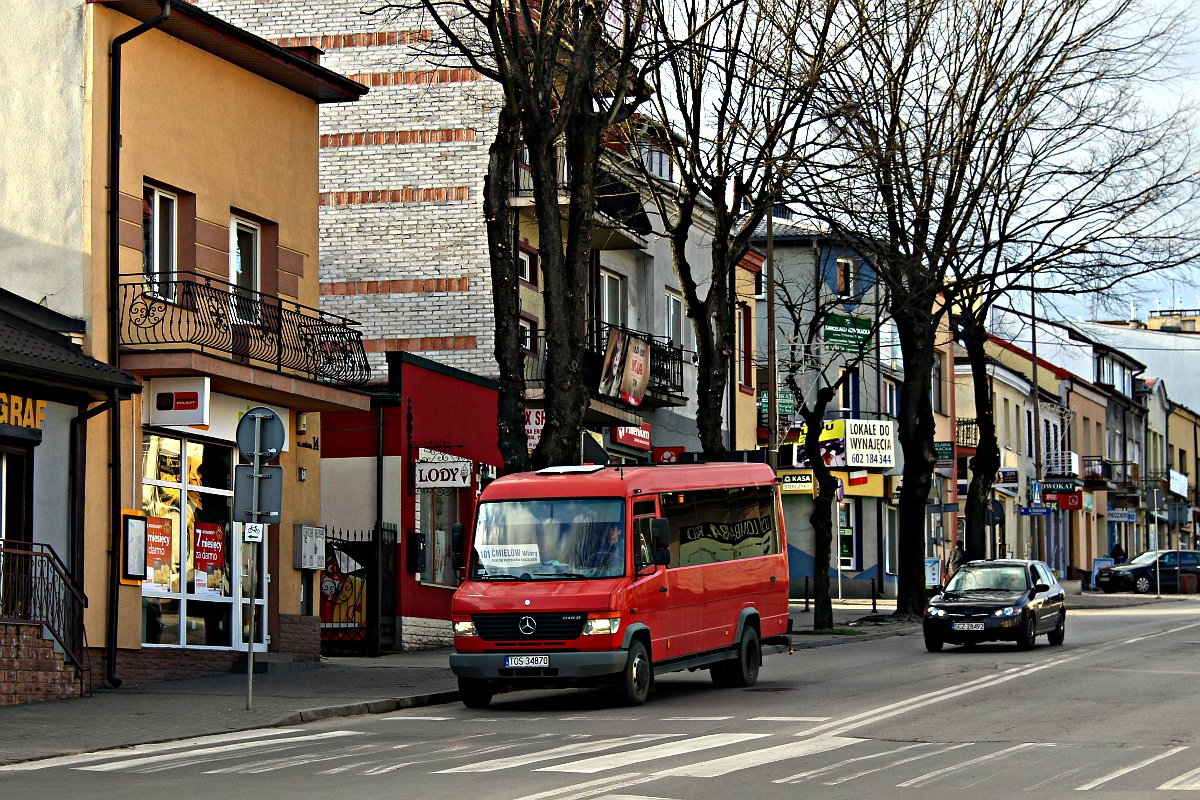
1038, 588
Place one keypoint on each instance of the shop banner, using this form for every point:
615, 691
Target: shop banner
160, 554
626, 367
535, 421
443, 475
631, 437
208, 559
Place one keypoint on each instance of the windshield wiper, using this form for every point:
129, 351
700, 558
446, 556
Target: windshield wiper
497, 577
559, 575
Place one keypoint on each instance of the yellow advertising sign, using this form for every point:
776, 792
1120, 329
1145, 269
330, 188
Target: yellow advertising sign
855, 483
24, 412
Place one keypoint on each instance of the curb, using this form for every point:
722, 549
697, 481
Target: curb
367, 707
850, 639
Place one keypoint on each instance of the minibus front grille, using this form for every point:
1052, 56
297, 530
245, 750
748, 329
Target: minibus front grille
546, 626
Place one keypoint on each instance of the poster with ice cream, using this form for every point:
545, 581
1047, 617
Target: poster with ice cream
208, 558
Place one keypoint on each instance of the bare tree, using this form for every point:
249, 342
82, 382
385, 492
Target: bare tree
816, 372
568, 71
732, 116
929, 115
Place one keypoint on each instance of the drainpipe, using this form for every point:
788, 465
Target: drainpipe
114, 333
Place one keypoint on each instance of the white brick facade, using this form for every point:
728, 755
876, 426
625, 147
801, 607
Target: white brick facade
419, 240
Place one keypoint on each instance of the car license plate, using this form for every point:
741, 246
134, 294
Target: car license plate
527, 661
966, 626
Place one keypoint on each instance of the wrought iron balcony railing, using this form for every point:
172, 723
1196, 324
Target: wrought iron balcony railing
35, 587
261, 330
966, 433
666, 359
523, 179
1096, 469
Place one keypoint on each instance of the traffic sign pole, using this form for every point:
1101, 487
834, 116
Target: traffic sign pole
254, 512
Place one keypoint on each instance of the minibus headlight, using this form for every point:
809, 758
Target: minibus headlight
595, 627
464, 628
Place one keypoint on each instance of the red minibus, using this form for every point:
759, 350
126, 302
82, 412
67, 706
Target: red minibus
609, 575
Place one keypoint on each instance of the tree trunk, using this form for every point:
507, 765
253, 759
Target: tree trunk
502, 225
986, 461
713, 370
822, 516
915, 326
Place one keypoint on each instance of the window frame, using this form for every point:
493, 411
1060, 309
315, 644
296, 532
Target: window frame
527, 264
608, 280
845, 277
236, 224
152, 217
673, 320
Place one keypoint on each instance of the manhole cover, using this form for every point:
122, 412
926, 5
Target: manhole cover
771, 689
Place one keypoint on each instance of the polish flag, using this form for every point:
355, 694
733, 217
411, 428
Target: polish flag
858, 478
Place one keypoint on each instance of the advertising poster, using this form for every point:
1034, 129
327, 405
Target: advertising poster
160, 554
849, 443
626, 371
209, 559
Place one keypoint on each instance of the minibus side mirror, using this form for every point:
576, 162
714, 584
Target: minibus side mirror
662, 557
660, 531
456, 544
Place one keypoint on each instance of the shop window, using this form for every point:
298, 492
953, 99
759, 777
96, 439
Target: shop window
196, 567
847, 550
437, 512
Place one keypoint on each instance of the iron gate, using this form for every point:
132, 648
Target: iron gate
358, 591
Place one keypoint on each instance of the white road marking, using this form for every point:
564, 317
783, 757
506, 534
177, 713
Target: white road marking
192, 754
1138, 639
399, 717
694, 719
1125, 770
666, 750
275, 764
757, 758
929, 777
812, 773
895, 763
144, 749
788, 719
630, 797
577, 749
1188, 780
578, 791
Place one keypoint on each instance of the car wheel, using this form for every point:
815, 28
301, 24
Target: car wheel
633, 687
933, 644
475, 693
742, 671
1059, 633
1142, 584
1028, 635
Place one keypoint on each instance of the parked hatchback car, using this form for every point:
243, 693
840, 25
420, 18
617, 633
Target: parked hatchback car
1144, 573
995, 601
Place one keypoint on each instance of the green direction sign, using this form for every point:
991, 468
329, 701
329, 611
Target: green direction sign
785, 403
846, 334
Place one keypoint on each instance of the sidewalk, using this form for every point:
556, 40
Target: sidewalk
166, 710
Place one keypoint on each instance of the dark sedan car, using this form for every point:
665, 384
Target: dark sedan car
997, 601
1143, 573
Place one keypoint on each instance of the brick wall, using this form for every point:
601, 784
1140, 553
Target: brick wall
300, 636
31, 669
421, 633
401, 176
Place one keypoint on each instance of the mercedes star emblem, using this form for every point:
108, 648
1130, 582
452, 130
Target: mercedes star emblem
527, 625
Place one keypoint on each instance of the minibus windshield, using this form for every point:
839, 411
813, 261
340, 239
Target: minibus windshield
550, 540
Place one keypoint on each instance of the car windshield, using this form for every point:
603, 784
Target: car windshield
990, 577
550, 540
1148, 557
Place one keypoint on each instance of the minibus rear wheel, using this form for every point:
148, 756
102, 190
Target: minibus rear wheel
633, 687
474, 693
743, 670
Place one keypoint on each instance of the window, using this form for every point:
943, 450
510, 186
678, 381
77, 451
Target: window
846, 278
747, 325
612, 298
528, 333
437, 512
674, 319
889, 345
527, 266
700, 523
781, 211
159, 245
244, 269
935, 384
891, 398
197, 567
848, 390
1029, 432
658, 163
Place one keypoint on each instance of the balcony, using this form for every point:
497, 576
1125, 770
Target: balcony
1097, 471
263, 331
665, 385
1062, 462
966, 433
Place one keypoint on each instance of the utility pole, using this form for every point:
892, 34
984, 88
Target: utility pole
772, 364
1035, 522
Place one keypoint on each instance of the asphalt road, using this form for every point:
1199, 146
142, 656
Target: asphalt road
1111, 711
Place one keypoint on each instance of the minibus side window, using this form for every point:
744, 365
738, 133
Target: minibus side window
643, 540
678, 508
768, 514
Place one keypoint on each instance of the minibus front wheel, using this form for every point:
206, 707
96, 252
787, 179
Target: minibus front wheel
633, 687
474, 693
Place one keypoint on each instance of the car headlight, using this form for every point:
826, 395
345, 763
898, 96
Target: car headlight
935, 612
1011, 611
596, 627
465, 628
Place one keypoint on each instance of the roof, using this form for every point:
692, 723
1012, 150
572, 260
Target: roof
38, 314
263, 58
623, 480
31, 353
